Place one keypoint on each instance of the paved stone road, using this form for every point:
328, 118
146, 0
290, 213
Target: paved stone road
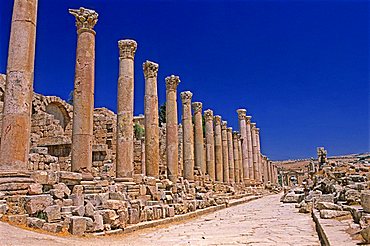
265, 221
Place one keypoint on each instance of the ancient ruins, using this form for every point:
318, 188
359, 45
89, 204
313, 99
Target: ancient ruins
82, 169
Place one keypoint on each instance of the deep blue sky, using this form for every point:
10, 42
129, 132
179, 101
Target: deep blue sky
301, 68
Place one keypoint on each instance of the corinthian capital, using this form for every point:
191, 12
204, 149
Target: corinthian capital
150, 69
127, 48
186, 97
172, 82
217, 119
224, 125
197, 107
236, 134
85, 19
230, 129
241, 113
208, 115
253, 126
248, 119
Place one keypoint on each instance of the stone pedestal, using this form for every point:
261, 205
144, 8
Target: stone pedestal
200, 163
225, 152
151, 119
172, 141
244, 140
83, 93
125, 109
16, 122
210, 144
188, 135
231, 154
236, 156
218, 148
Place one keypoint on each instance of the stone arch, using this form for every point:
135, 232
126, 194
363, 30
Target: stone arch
59, 112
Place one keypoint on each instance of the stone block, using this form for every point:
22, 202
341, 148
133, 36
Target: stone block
89, 209
58, 194
35, 189
170, 212
19, 219
52, 213
37, 203
35, 222
52, 227
90, 226
77, 226
109, 216
329, 214
328, 205
98, 222
114, 204
79, 210
62, 187
78, 200
70, 178
365, 201
134, 216
3, 208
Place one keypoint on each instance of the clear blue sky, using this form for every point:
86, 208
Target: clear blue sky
300, 68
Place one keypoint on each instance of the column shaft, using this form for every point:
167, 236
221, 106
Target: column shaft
16, 123
172, 141
244, 141
125, 110
218, 148
225, 152
83, 93
241, 168
188, 135
210, 144
198, 138
236, 156
151, 119
231, 154
250, 148
259, 156
255, 152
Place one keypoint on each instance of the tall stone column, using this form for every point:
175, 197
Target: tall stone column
225, 152
243, 132
125, 110
250, 148
241, 167
210, 144
172, 142
265, 172
198, 137
188, 135
16, 126
83, 93
231, 154
255, 152
218, 148
269, 165
236, 156
259, 156
151, 119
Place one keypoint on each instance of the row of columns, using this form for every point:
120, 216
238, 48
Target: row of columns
220, 153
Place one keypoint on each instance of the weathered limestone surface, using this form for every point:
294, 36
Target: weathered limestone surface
255, 166
188, 135
225, 152
210, 144
125, 109
218, 148
16, 119
244, 142
250, 147
259, 157
231, 154
241, 167
236, 156
172, 127
151, 119
200, 163
83, 93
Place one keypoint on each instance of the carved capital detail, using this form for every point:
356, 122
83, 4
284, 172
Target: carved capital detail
85, 18
208, 115
230, 129
217, 120
186, 97
224, 125
236, 135
127, 48
150, 69
242, 113
253, 126
197, 107
172, 82
248, 119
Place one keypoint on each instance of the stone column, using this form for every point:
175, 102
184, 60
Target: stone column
188, 135
83, 93
265, 170
198, 137
16, 126
125, 110
259, 156
241, 167
250, 148
231, 154
151, 119
255, 152
218, 148
236, 156
172, 142
269, 169
243, 132
225, 152
210, 144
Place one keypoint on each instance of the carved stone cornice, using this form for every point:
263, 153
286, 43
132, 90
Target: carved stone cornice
208, 115
186, 97
172, 82
217, 120
127, 48
197, 107
150, 69
248, 119
224, 125
85, 19
241, 113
